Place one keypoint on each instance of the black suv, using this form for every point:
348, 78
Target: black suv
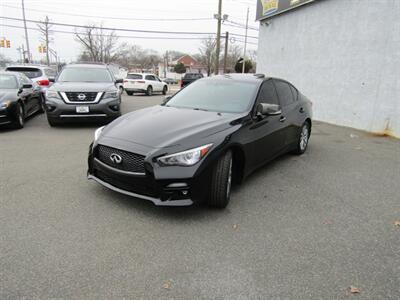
83, 92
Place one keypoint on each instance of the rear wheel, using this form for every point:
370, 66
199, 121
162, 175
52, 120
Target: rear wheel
129, 93
303, 139
221, 182
20, 117
149, 91
165, 90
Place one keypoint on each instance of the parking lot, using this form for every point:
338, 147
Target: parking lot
302, 227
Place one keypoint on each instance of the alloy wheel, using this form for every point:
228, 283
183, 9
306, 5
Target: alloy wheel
304, 137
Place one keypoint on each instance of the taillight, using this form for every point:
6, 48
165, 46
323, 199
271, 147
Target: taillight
125, 81
141, 81
43, 82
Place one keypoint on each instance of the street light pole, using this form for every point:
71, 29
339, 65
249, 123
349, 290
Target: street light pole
26, 32
245, 42
226, 50
219, 18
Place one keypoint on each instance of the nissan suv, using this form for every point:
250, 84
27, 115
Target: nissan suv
83, 92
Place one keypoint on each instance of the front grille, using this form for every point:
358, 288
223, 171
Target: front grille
139, 186
131, 162
78, 96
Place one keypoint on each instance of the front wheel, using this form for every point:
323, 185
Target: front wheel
42, 104
20, 117
165, 90
221, 182
149, 91
303, 139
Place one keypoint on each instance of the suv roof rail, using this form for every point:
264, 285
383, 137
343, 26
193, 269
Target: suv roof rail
88, 63
259, 75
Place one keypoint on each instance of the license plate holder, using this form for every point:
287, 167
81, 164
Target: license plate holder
82, 109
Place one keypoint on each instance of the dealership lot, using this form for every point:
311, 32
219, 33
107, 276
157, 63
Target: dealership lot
301, 227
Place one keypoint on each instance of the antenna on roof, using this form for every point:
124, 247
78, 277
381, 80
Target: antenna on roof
259, 75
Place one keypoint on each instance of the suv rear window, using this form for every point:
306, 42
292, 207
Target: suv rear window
29, 72
134, 76
193, 76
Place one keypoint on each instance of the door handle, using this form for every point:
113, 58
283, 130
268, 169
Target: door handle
282, 119
301, 110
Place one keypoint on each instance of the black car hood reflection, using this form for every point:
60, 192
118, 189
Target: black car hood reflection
162, 126
8, 94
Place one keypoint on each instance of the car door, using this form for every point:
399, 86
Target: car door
289, 111
28, 96
160, 84
266, 130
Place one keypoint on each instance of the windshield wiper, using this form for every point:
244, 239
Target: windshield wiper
196, 108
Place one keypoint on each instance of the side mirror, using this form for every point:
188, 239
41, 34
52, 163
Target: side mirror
27, 86
266, 109
120, 80
166, 99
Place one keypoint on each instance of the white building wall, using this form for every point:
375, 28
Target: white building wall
342, 54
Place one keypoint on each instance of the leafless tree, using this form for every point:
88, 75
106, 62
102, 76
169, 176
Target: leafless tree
207, 54
46, 36
100, 44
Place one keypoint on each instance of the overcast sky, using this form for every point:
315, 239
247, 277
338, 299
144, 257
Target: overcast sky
117, 14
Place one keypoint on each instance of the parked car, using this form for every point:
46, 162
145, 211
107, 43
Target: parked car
41, 75
189, 78
170, 81
19, 99
144, 83
83, 92
210, 134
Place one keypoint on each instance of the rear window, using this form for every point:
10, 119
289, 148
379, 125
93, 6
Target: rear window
50, 72
193, 76
29, 72
134, 76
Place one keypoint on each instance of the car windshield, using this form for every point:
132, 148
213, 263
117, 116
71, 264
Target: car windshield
85, 75
8, 82
134, 76
192, 76
216, 95
29, 72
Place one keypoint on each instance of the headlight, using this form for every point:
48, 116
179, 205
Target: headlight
52, 94
113, 94
185, 158
5, 104
97, 133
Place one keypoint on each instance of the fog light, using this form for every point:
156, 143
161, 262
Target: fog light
114, 107
50, 107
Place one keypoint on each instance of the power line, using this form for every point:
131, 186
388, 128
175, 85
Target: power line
122, 29
112, 18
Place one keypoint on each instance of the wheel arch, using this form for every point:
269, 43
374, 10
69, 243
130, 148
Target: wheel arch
239, 161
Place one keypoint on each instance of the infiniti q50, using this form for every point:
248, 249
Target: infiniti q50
200, 141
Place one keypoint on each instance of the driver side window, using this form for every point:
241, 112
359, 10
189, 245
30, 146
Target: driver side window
268, 93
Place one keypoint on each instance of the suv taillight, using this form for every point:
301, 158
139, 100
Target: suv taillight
141, 81
43, 82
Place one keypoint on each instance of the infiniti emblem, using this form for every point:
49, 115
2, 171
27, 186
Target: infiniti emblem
81, 97
115, 158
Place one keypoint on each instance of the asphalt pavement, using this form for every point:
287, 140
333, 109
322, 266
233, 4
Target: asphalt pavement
302, 227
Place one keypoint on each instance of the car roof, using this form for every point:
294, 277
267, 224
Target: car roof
87, 65
138, 73
240, 77
30, 66
10, 73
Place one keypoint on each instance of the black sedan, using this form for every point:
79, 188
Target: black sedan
19, 99
197, 143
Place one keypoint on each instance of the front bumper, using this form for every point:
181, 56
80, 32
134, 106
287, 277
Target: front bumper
172, 191
105, 109
7, 115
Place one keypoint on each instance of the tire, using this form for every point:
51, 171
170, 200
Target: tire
165, 90
121, 90
129, 93
20, 117
42, 105
149, 91
221, 183
303, 139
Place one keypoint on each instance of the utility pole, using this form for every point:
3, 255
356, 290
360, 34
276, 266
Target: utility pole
245, 42
219, 18
26, 32
21, 53
45, 31
226, 50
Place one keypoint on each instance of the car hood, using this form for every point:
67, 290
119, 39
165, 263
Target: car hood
162, 126
8, 94
82, 86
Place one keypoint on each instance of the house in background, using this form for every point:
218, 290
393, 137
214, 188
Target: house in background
190, 63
